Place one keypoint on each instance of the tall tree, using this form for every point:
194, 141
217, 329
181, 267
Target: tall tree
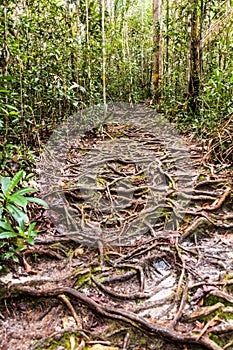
103, 55
157, 23
4, 60
88, 44
194, 80
78, 35
5, 54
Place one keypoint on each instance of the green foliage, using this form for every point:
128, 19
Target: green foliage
215, 67
55, 65
15, 228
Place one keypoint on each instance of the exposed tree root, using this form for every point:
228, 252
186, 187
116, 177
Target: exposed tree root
124, 316
134, 224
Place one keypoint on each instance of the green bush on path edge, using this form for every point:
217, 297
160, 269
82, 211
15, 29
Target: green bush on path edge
15, 228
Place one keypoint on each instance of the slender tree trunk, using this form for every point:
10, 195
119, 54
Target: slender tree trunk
78, 43
142, 47
5, 55
194, 80
167, 40
157, 22
4, 60
123, 30
73, 55
202, 16
103, 56
88, 46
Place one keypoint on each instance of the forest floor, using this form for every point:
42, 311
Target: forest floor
135, 252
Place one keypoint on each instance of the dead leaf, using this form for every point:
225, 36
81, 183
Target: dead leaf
68, 322
102, 347
62, 184
78, 251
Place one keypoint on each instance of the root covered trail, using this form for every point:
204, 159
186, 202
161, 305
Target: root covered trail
141, 253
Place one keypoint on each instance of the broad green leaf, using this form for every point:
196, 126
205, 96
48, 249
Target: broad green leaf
14, 182
7, 234
25, 190
6, 226
21, 227
38, 201
15, 258
1, 212
10, 255
19, 200
22, 247
5, 181
30, 240
30, 229
18, 214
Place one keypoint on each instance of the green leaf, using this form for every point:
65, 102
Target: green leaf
25, 190
2, 244
4, 110
34, 233
5, 181
19, 200
11, 255
15, 258
38, 201
22, 247
31, 232
31, 227
7, 234
11, 107
19, 215
14, 182
30, 240
21, 227
6, 226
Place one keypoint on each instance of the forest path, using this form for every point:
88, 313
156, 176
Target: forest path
141, 253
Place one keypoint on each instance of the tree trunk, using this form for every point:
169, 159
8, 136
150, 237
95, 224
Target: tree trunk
77, 53
166, 68
157, 22
103, 56
194, 80
88, 46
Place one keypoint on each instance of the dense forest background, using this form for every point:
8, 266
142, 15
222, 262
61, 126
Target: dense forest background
61, 56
